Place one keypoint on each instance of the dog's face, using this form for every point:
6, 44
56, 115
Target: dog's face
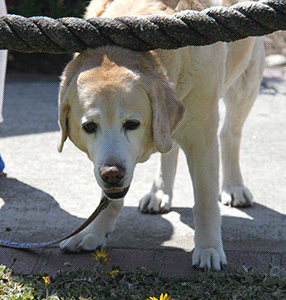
117, 116
110, 120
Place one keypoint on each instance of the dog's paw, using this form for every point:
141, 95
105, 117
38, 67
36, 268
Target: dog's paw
155, 202
209, 259
83, 242
237, 196
96, 233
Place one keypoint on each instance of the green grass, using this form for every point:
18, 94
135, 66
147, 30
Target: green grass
141, 284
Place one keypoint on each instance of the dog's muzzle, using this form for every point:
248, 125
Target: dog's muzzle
112, 176
116, 193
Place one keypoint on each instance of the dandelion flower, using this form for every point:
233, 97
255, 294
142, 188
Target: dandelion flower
113, 272
162, 297
101, 257
47, 280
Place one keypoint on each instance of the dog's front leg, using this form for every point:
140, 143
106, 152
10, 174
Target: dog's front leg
159, 199
203, 161
95, 235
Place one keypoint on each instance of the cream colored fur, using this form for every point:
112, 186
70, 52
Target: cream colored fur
172, 95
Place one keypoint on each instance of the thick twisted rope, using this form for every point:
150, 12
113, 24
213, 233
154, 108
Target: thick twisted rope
43, 34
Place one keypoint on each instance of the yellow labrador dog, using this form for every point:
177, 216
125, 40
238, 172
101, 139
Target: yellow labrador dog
119, 106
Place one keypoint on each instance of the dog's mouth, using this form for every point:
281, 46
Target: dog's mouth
116, 192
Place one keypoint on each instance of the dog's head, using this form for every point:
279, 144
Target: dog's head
117, 106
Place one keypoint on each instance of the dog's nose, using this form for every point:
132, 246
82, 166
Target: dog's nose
112, 174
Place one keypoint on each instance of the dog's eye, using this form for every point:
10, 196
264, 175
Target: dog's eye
131, 124
89, 127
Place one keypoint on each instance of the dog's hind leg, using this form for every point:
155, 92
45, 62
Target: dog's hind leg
160, 197
239, 99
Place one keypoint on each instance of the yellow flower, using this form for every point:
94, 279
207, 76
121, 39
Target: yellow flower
113, 272
47, 280
162, 297
101, 257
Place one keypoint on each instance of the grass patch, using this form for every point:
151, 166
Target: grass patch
141, 284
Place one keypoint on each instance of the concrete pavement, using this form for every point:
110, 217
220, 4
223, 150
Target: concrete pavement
46, 195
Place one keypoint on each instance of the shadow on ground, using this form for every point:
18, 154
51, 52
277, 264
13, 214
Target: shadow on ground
30, 215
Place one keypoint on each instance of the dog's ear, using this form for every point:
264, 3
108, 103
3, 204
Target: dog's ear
63, 122
63, 103
63, 109
167, 113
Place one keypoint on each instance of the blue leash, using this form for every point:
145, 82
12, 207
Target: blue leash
102, 205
